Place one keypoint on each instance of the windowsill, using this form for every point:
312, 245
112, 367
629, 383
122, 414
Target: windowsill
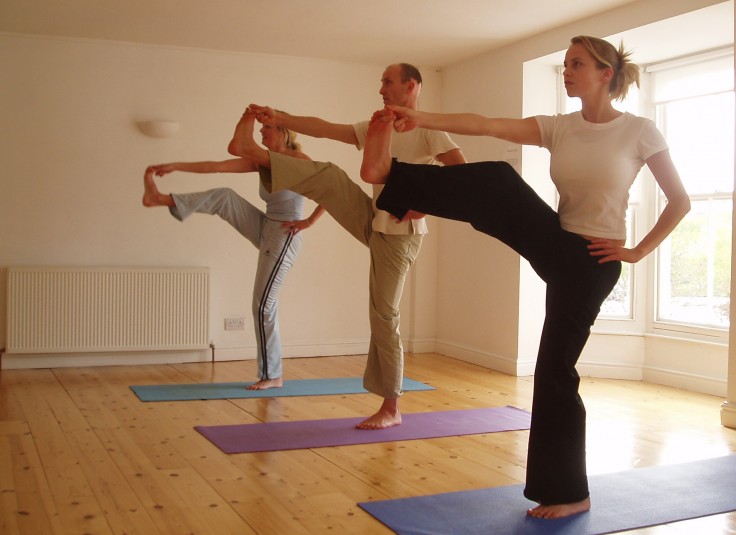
697, 338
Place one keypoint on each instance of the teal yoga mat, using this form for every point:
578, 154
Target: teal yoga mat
621, 501
299, 387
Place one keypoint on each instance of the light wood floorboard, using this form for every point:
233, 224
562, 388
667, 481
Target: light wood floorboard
79, 453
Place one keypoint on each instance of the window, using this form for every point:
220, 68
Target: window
694, 109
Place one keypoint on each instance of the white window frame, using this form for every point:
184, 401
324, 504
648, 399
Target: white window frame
673, 328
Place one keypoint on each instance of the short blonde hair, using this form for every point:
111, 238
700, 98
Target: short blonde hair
625, 72
290, 139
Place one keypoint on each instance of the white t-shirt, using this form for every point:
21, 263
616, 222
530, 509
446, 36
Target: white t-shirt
415, 146
593, 167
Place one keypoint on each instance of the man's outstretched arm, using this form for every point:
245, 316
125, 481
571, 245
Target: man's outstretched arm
309, 126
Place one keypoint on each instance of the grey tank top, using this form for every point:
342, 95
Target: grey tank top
284, 205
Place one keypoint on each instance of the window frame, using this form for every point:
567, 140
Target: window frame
671, 327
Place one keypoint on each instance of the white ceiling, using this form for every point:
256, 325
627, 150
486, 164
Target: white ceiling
423, 32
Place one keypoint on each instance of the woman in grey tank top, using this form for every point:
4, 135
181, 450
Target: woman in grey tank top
274, 232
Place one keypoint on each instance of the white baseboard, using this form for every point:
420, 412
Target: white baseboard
728, 415
320, 349
608, 370
80, 360
587, 367
686, 381
427, 345
484, 359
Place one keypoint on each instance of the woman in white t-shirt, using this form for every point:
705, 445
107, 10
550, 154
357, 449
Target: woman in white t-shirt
595, 156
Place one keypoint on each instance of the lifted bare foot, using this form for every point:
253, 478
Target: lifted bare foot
151, 195
265, 384
244, 145
560, 510
387, 416
377, 151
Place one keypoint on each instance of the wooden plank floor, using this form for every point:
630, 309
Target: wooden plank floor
79, 453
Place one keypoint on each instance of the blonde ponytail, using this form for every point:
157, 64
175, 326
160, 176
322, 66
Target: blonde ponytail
625, 72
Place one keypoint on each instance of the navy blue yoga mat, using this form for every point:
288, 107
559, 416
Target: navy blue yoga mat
299, 387
621, 501
276, 436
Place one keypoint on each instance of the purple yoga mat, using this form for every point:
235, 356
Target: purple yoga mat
276, 436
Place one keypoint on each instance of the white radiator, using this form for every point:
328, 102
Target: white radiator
100, 309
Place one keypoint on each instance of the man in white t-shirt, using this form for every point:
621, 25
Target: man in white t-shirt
394, 245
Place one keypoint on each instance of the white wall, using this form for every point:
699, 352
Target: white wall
73, 158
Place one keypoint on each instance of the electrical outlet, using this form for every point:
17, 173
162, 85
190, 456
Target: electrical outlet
234, 324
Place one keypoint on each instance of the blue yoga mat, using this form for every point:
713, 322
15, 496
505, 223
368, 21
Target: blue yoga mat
300, 387
621, 501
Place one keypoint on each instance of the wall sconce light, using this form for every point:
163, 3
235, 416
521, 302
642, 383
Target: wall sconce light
158, 128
